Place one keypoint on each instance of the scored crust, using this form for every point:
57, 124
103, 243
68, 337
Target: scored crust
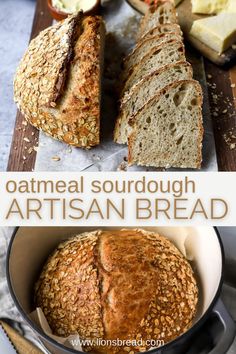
41, 74
126, 284
57, 84
134, 120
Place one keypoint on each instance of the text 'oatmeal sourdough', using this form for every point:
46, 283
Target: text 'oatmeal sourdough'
161, 105
122, 284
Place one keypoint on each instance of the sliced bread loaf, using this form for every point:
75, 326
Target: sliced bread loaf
146, 89
163, 29
159, 14
167, 131
166, 53
144, 46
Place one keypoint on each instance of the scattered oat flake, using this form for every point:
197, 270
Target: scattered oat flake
232, 146
36, 148
24, 158
24, 122
122, 166
233, 85
27, 140
225, 111
56, 158
209, 76
234, 46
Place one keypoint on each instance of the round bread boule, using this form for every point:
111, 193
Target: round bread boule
122, 284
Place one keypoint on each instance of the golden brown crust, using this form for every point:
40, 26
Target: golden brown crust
137, 286
41, 73
68, 289
57, 85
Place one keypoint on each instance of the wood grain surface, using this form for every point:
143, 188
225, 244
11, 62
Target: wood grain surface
222, 95
25, 138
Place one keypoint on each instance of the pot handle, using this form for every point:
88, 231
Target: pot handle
229, 329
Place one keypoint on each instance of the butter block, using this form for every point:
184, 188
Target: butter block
213, 6
217, 32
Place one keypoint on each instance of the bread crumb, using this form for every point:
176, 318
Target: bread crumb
122, 166
56, 158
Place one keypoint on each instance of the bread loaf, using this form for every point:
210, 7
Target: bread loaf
141, 93
168, 131
57, 84
160, 112
127, 285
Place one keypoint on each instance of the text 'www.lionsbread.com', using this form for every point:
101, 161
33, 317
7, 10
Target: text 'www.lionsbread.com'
153, 343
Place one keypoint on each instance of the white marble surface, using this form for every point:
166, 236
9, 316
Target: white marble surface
16, 18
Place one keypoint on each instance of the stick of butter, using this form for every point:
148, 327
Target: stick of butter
213, 6
217, 32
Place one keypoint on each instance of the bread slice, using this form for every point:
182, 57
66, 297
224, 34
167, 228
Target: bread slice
144, 90
144, 46
168, 131
158, 14
168, 52
163, 29
57, 84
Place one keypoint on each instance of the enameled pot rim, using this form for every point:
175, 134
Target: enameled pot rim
53, 342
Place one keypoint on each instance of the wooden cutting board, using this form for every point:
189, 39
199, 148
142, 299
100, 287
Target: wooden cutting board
186, 18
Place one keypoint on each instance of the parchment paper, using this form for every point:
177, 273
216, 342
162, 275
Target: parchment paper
122, 23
